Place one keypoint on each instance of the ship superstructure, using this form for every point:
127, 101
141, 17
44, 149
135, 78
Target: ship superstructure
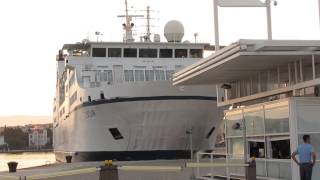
115, 100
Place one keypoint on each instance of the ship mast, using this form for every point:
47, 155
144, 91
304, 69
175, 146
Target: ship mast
127, 27
148, 24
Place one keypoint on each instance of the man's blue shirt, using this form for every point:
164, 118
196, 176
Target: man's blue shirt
305, 151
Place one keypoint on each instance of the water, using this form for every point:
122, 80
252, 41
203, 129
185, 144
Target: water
26, 160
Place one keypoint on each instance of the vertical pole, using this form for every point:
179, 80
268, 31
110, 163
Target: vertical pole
191, 145
269, 24
319, 11
278, 71
301, 70
216, 25
313, 68
198, 161
295, 72
289, 73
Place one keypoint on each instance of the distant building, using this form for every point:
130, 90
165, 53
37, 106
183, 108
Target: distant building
2, 140
37, 137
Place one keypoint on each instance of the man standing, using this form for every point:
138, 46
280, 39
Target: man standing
307, 158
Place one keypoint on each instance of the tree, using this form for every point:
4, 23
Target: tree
15, 138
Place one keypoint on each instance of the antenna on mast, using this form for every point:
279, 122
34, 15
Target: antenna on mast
127, 27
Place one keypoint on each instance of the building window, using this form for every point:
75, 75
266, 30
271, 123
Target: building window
160, 75
181, 53
115, 133
166, 53
149, 75
139, 75
129, 52
99, 52
280, 149
148, 53
114, 52
196, 53
128, 75
277, 120
256, 149
106, 76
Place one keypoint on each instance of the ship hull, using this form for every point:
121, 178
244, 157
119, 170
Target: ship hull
149, 128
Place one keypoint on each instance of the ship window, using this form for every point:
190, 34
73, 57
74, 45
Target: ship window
107, 76
169, 75
114, 52
139, 75
115, 133
160, 75
210, 132
196, 53
99, 52
129, 52
128, 75
148, 53
181, 53
149, 75
166, 53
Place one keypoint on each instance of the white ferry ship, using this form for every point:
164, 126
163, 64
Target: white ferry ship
115, 100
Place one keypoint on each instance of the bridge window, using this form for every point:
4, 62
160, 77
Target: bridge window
149, 75
196, 53
114, 52
128, 75
99, 52
160, 75
148, 53
181, 53
166, 53
129, 52
139, 75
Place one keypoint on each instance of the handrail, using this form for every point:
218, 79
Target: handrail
204, 165
150, 168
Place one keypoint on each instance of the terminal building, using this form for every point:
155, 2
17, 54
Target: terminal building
270, 92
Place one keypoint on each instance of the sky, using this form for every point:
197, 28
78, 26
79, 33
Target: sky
32, 32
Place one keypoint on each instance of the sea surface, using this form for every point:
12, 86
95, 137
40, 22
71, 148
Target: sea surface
26, 159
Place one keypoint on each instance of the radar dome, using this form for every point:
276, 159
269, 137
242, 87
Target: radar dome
174, 31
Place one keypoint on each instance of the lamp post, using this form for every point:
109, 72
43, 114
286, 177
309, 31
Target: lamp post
189, 132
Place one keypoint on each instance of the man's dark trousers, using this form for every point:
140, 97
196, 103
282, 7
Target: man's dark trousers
306, 171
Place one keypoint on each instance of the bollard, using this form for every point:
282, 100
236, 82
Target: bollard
12, 166
108, 171
251, 171
68, 159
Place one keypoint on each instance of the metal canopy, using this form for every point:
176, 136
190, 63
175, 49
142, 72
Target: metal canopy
244, 59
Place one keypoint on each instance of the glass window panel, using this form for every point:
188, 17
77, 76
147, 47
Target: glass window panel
277, 120
160, 75
114, 52
181, 53
280, 149
130, 52
169, 75
254, 122
196, 53
99, 52
128, 75
139, 75
236, 147
166, 53
234, 125
256, 149
308, 117
149, 75
148, 53
110, 75
279, 170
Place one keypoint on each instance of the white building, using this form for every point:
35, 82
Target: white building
37, 137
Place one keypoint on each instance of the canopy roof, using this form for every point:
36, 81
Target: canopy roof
245, 58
